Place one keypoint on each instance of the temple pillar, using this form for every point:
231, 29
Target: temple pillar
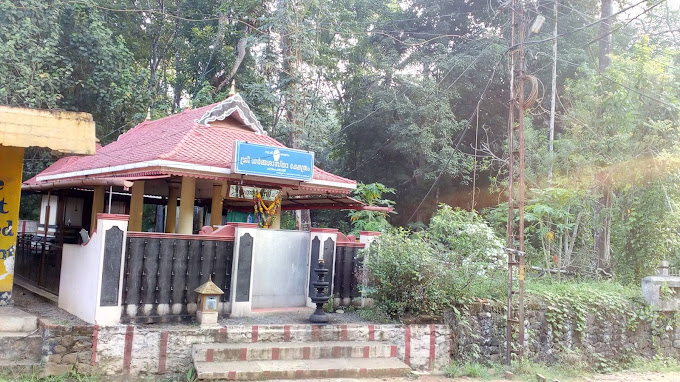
171, 210
136, 206
276, 223
186, 206
216, 207
97, 206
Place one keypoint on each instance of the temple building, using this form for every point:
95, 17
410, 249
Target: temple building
200, 175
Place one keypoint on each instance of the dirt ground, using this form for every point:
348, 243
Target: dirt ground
616, 377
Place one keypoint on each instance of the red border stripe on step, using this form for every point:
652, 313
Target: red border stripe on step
127, 354
363, 372
315, 332
243, 354
393, 351
367, 351
343, 333
255, 330
210, 355
299, 373
336, 351
432, 343
371, 332
275, 354
286, 333
306, 352
163, 352
407, 345
231, 376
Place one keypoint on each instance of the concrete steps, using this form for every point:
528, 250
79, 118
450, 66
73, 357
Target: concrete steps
20, 341
263, 351
296, 352
302, 369
16, 320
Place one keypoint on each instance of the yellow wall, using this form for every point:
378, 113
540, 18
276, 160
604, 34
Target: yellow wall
64, 131
11, 162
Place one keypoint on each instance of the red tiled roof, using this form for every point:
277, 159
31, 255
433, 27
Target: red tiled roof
174, 138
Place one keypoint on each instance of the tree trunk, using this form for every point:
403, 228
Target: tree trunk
603, 221
292, 61
605, 35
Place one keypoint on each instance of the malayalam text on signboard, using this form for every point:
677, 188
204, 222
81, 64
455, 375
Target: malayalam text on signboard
277, 162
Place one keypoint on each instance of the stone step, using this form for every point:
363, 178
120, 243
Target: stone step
262, 351
304, 333
302, 369
16, 320
20, 347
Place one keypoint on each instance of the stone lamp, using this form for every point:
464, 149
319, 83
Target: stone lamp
208, 302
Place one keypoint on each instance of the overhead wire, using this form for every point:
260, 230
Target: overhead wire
579, 29
459, 140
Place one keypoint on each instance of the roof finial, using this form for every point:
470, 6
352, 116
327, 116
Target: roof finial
232, 92
148, 114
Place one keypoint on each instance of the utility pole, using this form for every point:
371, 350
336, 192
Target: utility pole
515, 242
552, 98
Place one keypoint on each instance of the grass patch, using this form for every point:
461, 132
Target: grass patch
657, 364
527, 370
596, 290
473, 370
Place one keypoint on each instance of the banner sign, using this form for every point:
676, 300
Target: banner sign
246, 192
277, 162
10, 192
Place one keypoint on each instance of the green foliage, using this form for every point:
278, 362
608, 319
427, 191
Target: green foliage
666, 293
472, 370
372, 195
572, 302
431, 271
402, 276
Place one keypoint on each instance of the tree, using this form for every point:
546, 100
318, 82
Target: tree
63, 55
618, 133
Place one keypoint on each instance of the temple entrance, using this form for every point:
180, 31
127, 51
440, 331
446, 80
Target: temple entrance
280, 266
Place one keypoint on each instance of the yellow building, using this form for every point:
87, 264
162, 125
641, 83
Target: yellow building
62, 131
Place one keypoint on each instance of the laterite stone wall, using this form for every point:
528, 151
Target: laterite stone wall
613, 337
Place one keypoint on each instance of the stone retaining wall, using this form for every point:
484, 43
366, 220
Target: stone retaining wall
166, 349
611, 337
66, 347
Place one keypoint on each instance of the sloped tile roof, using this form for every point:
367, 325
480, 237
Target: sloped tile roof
174, 138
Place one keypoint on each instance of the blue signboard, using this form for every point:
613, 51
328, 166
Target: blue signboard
277, 162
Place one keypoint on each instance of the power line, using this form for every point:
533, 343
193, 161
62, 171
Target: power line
625, 86
589, 25
460, 138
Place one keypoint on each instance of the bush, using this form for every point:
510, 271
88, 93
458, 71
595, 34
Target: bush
457, 258
401, 273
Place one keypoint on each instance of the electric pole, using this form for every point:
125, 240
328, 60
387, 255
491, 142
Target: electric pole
552, 98
515, 242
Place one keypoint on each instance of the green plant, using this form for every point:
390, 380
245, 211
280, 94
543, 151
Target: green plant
426, 273
374, 315
666, 293
570, 303
372, 195
328, 306
472, 370
191, 375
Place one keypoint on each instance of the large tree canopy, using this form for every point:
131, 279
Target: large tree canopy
411, 94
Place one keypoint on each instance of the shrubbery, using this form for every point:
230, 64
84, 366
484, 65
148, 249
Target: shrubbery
456, 259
